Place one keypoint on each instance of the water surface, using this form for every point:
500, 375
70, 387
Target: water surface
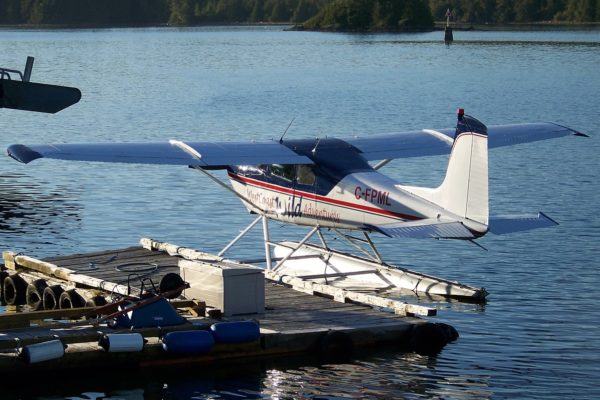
537, 336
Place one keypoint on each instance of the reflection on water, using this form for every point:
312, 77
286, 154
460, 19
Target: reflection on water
382, 375
38, 209
496, 42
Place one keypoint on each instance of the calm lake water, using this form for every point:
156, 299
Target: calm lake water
537, 337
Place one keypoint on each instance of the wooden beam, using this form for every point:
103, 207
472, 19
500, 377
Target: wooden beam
174, 250
341, 295
23, 319
70, 275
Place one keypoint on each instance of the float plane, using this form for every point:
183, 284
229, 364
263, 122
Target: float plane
329, 182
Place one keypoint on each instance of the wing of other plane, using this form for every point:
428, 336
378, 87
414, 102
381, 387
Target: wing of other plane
426, 142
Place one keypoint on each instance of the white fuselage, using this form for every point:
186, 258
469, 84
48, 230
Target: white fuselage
358, 201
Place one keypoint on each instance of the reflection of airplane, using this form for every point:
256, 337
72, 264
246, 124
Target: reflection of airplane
328, 183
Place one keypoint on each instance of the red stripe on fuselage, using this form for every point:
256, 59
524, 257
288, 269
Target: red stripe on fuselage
323, 199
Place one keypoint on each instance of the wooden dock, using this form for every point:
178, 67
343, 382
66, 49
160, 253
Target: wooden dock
293, 322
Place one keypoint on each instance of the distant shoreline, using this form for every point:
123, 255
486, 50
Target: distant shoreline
438, 26
530, 26
126, 26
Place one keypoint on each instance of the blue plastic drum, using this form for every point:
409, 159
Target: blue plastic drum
188, 342
236, 331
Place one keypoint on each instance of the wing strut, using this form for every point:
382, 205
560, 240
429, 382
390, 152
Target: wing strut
189, 150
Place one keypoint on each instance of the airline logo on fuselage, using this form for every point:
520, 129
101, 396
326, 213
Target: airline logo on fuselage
291, 206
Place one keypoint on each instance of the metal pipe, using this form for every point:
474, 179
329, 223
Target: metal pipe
308, 236
266, 240
194, 154
377, 255
381, 163
238, 237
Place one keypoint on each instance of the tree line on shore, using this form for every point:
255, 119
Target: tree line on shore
517, 11
314, 14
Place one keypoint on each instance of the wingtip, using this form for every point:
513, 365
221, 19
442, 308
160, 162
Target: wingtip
577, 133
545, 216
573, 131
22, 153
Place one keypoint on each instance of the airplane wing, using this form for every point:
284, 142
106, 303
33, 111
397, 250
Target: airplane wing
212, 154
426, 142
429, 142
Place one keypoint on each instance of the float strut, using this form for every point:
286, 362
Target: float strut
308, 236
241, 235
266, 239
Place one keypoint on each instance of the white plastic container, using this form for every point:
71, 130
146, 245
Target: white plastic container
122, 342
235, 289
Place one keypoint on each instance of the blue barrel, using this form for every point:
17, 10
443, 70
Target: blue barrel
236, 331
188, 342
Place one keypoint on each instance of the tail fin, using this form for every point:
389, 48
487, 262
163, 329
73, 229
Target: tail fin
465, 188
464, 191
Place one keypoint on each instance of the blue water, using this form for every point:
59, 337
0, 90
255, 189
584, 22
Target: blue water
537, 337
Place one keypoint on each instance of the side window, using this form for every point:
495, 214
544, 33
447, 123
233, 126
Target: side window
283, 171
305, 174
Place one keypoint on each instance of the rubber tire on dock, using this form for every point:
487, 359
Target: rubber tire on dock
35, 293
13, 290
171, 281
51, 297
70, 299
96, 301
3, 275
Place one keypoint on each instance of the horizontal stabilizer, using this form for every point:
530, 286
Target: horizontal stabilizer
502, 224
426, 229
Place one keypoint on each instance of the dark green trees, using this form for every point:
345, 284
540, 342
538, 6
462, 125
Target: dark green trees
373, 15
350, 15
520, 11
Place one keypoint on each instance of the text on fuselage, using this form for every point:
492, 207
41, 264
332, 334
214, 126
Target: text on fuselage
372, 195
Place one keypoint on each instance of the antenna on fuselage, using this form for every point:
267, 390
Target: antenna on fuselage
286, 129
314, 150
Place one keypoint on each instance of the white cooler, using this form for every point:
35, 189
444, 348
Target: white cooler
233, 288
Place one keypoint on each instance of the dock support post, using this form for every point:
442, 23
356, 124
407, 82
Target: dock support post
28, 69
267, 241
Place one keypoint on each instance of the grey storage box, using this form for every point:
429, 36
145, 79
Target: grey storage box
233, 288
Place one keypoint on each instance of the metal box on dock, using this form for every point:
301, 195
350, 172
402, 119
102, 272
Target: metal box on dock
233, 288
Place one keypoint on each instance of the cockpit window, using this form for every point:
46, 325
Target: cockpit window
305, 174
283, 171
